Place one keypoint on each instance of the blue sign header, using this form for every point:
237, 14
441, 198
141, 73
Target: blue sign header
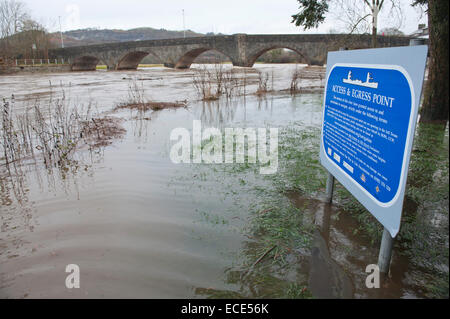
370, 112
366, 120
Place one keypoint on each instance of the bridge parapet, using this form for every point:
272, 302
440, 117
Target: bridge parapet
242, 49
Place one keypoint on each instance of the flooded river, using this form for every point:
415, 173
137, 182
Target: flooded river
140, 226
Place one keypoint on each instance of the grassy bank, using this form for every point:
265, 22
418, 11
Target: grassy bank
280, 234
423, 235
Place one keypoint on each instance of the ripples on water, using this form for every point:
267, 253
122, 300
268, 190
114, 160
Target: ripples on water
135, 223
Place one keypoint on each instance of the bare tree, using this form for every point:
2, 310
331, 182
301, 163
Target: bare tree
435, 108
12, 16
20, 35
357, 16
375, 8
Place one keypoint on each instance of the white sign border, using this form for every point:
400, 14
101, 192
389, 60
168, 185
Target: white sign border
411, 128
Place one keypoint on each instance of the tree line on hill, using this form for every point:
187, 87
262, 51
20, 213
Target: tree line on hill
21, 36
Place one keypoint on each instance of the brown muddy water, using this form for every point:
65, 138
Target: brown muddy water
139, 226
339, 257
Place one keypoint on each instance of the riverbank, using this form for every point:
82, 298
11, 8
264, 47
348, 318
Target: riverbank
197, 230
35, 69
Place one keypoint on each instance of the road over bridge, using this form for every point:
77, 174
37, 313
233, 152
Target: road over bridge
241, 49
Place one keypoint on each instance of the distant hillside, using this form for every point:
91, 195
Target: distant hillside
95, 36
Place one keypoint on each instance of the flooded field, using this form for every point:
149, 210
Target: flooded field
140, 226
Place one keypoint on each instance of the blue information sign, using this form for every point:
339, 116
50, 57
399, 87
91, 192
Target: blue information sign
369, 117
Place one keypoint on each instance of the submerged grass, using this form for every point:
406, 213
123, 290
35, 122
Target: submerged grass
423, 235
257, 285
280, 234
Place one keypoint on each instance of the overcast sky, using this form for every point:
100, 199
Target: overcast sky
226, 16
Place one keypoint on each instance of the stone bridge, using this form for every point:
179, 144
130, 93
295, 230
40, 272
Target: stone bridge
241, 49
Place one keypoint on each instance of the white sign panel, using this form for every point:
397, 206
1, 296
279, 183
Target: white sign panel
370, 113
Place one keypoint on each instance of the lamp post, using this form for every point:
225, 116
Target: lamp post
60, 33
184, 26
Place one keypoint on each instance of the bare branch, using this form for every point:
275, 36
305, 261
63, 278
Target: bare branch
360, 20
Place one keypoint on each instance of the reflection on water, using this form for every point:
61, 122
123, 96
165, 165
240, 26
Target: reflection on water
136, 224
339, 258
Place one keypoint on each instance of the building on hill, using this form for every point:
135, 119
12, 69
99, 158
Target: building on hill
421, 32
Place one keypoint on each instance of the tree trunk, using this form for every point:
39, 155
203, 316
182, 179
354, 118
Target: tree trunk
375, 11
435, 102
374, 37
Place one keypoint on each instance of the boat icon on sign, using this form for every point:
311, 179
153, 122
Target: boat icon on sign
368, 83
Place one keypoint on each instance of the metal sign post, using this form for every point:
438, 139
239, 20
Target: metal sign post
330, 188
370, 113
384, 258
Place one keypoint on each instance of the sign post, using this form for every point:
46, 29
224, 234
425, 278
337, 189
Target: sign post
384, 258
370, 113
330, 188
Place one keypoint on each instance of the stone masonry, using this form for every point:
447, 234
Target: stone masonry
241, 49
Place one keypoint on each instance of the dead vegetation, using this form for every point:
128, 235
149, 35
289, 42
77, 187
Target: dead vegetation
208, 83
138, 101
313, 73
295, 81
102, 131
147, 106
263, 83
53, 132
213, 83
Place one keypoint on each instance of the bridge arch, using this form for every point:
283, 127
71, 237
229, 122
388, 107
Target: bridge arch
188, 58
85, 63
131, 60
242, 49
253, 56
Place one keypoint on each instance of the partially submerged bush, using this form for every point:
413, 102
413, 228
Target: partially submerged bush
204, 79
263, 82
155, 106
213, 83
295, 81
137, 100
101, 131
54, 136
306, 73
